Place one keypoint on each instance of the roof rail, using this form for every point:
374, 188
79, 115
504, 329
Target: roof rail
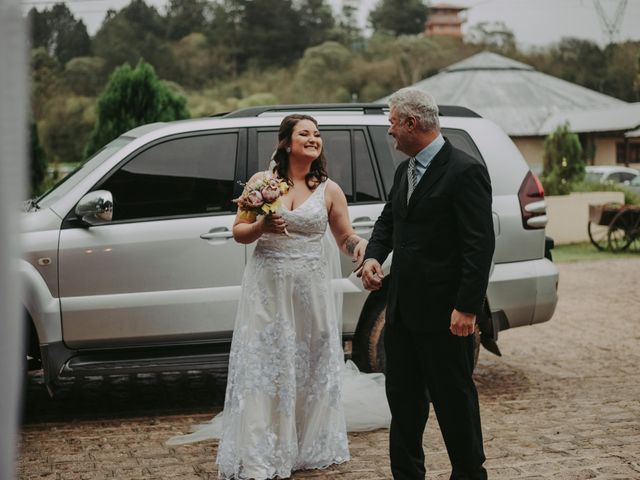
366, 108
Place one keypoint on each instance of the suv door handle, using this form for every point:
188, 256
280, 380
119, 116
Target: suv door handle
220, 232
363, 222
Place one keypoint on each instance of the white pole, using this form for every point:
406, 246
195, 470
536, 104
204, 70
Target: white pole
13, 118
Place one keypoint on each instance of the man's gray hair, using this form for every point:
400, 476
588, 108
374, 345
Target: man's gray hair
411, 102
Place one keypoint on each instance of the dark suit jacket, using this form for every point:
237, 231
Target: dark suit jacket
442, 241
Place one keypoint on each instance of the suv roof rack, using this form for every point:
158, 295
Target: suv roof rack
365, 108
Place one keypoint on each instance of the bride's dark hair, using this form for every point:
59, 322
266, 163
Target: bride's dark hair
318, 171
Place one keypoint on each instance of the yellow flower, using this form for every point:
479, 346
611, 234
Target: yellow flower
248, 215
284, 187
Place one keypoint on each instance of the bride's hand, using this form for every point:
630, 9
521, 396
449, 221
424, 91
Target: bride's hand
358, 252
273, 223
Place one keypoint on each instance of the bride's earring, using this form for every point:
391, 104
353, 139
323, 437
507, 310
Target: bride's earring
288, 149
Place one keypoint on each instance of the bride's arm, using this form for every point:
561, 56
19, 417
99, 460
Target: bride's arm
247, 230
347, 240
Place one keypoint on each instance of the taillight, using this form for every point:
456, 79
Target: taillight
532, 205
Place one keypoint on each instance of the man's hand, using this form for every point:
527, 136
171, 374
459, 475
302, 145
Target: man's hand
462, 324
372, 274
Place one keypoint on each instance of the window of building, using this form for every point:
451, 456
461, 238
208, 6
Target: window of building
634, 152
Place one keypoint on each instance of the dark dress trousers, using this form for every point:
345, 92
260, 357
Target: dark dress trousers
442, 243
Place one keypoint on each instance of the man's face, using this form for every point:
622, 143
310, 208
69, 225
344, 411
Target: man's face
400, 131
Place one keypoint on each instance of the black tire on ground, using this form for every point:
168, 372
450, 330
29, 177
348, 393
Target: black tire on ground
368, 340
624, 231
598, 235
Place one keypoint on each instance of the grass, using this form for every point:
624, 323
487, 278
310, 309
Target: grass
581, 252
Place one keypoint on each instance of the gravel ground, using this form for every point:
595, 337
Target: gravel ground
563, 402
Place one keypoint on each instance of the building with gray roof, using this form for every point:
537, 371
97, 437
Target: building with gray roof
529, 105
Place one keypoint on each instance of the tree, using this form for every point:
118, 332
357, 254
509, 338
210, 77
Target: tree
133, 97
578, 61
321, 73
316, 21
494, 36
622, 69
200, 64
85, 76
186, 16
563, 161
46, 81
270, 33
37, 162
399, 17
412, 55
59, 32
135, 33
65, 127
346, 29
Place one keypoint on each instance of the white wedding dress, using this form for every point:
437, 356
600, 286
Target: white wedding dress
289, 392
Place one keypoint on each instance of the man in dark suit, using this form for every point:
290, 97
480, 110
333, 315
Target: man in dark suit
439, 225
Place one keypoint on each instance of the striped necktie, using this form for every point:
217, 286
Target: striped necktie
411, 177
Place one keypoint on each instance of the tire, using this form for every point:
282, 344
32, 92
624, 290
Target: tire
598, 235
624, 230
368, 340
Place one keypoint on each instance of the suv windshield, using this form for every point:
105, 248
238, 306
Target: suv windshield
81, 172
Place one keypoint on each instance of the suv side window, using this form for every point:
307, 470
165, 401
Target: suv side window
366, 185
390, 158
179, 177
338, 150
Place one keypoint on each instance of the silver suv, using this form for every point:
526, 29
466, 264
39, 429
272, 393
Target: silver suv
130, 265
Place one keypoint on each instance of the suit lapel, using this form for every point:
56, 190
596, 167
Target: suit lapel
434, 172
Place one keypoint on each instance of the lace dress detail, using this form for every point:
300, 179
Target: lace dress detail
283, 409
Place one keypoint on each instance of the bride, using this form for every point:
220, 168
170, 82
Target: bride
285, 408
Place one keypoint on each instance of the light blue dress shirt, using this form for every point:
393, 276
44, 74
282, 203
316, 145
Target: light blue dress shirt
424, 156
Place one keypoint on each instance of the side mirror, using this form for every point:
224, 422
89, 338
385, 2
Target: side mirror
95, 208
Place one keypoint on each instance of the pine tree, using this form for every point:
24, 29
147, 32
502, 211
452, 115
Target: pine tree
133, 97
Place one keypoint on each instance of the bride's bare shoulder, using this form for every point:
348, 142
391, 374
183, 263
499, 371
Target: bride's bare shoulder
333, 190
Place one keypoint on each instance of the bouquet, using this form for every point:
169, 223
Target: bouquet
261, 196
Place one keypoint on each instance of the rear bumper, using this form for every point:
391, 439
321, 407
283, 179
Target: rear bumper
525, 292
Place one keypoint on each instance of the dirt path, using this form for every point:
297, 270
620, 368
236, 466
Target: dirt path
563, 402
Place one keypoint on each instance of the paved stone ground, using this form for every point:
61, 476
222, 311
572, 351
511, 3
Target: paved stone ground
562, 403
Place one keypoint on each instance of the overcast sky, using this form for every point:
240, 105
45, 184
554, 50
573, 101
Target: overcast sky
534, 22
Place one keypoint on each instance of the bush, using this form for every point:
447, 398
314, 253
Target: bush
563, 161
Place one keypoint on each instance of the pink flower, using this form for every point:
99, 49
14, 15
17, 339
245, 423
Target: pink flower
254, 199
271, 192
